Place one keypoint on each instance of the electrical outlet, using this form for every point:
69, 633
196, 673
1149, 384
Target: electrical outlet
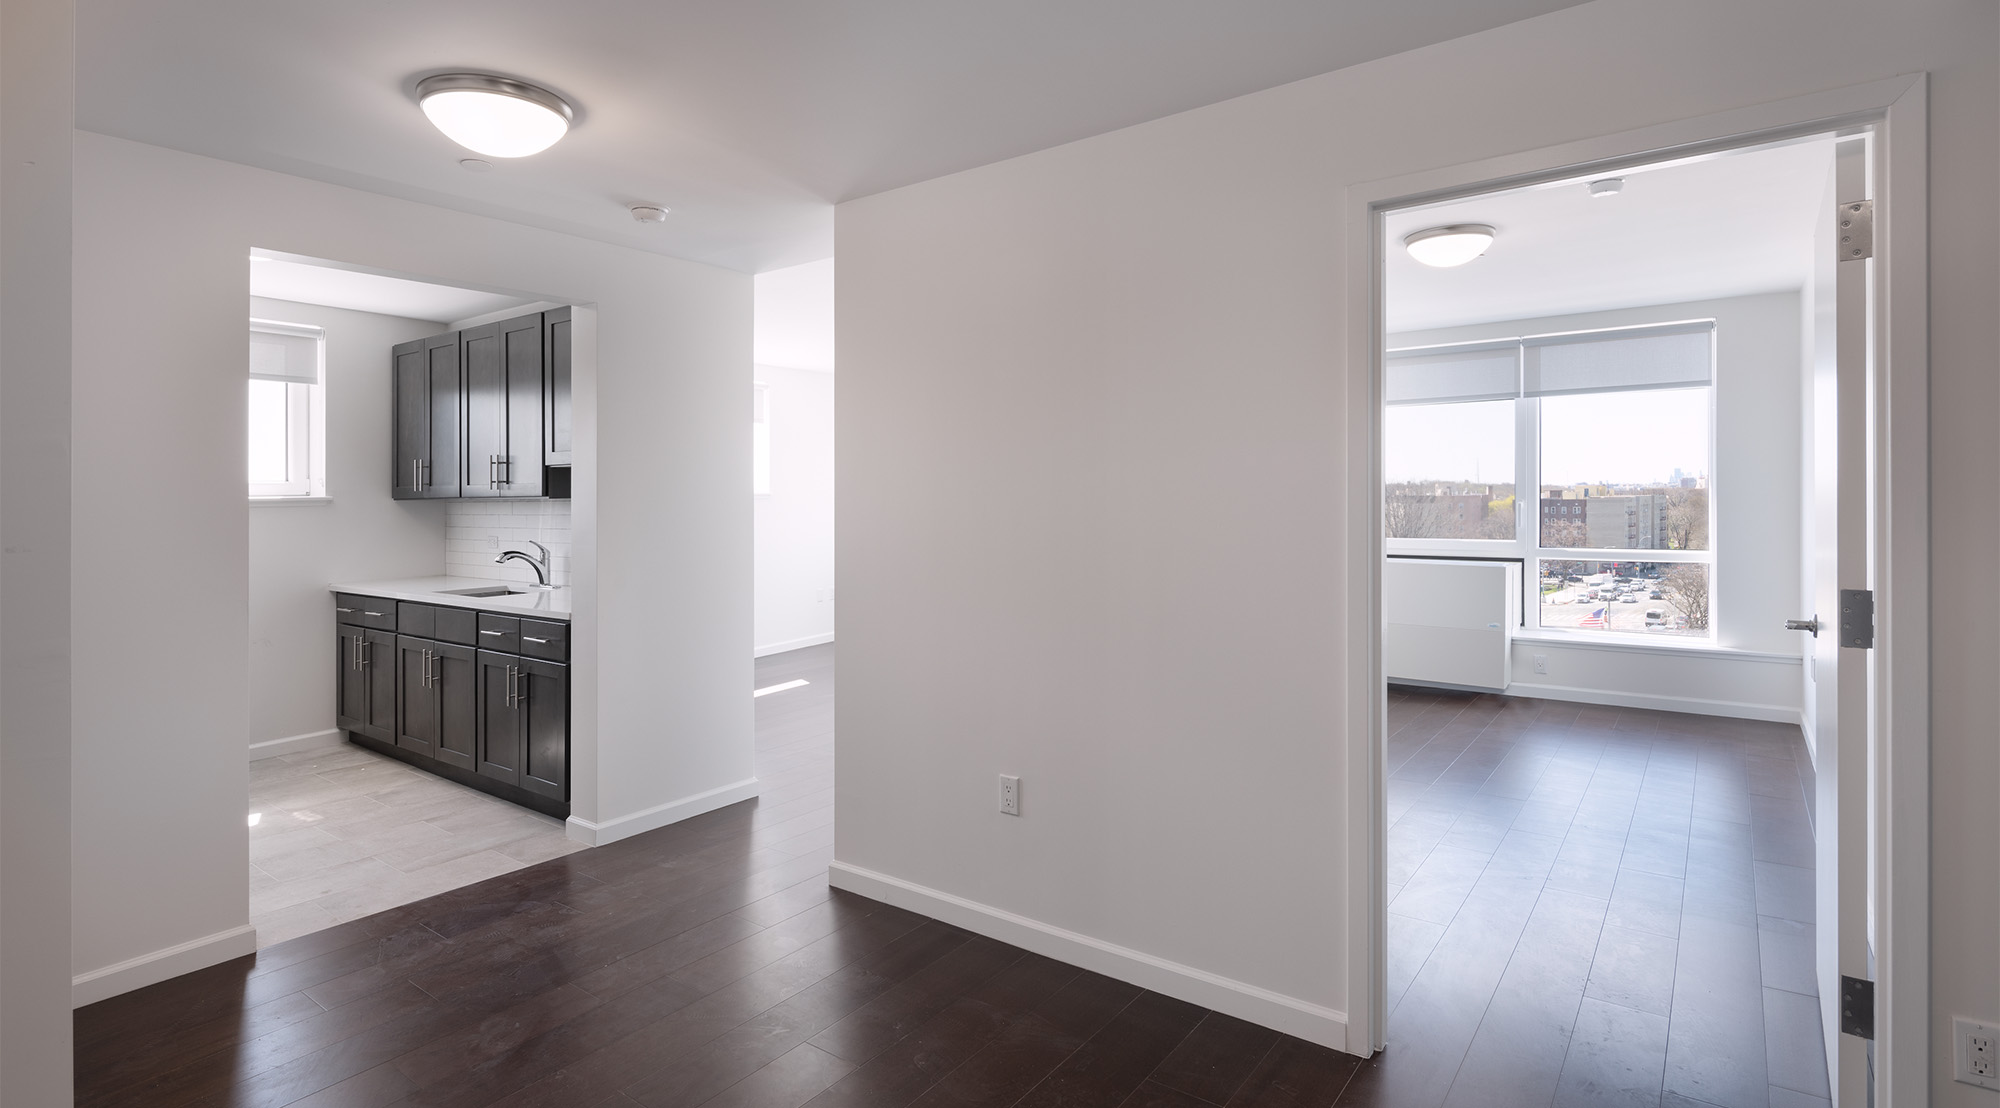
492, 542
1010, 795
1542, 664
1975, 1052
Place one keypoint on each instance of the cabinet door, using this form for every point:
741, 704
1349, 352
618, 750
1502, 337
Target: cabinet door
455, 679
411, 375
499, 717
522, 366
485, 409
416, 696
350, 681
444, 466
544, 702
378, 657
555, 402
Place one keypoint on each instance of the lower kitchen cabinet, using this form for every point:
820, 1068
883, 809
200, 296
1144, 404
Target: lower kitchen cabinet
437, 700
366, 683
524, 722
494, 720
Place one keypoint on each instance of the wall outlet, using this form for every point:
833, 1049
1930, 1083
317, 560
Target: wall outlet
1975, 1053
1010, 795
1542, 664
492, 542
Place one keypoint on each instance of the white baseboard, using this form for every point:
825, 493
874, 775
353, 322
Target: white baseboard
151, 969
294, 744
792, 644
1290, 1015
659, 815
1734, 709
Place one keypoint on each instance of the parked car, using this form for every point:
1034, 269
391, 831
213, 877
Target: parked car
1655, 617
1655, 595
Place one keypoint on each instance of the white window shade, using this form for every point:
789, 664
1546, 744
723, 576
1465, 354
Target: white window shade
284, 352
1672, 356
1454, 374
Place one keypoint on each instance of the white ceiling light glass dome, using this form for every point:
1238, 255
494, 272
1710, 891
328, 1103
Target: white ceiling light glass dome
1448, 246
495, 116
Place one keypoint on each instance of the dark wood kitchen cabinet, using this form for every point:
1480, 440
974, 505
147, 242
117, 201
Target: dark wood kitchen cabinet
504, 402
484, 412
481, 698
365, 695
437, 700
524, 722
429, 460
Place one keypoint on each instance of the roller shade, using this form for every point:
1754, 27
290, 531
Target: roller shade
1671, 356
284, 352
1454, 374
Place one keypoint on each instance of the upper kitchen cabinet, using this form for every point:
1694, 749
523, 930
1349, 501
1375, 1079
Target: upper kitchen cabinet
485, 412
555, 350
428, 463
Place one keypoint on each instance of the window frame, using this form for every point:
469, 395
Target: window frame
1526, 548
305, 424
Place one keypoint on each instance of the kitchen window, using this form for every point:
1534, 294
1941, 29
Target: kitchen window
1585, 455
287, 411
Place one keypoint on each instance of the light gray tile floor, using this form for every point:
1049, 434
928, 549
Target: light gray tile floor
346, 833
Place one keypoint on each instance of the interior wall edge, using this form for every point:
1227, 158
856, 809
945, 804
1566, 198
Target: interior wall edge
105, 982
602, 832
1299, 1018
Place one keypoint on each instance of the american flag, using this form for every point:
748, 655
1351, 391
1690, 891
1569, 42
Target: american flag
1594, 619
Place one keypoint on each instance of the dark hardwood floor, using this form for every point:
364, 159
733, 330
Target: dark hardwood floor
708, 963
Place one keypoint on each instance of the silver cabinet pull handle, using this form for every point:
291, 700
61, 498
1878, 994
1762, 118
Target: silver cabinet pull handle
354, 654
361, 651
531, 638
377, 615
337, 608
416, 475
493, 632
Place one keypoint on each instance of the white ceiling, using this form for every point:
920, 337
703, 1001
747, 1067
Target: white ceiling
308, 283
1727, 225
794, 317
748, 118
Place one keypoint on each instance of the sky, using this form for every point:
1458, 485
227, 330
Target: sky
1597, 438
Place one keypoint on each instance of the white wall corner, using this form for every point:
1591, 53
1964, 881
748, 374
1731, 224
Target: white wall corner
1290, 1015
329, 739
660, 815
151, 969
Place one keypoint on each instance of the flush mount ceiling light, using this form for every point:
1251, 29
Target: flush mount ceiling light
649, 213
494, 116
1609, 186
1449, 246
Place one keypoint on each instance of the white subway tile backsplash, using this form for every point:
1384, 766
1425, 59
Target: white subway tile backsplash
477, 531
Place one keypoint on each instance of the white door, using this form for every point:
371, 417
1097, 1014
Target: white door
1837, 433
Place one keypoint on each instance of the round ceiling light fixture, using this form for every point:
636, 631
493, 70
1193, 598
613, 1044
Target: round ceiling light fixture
649, 213
1444, 247
495, 116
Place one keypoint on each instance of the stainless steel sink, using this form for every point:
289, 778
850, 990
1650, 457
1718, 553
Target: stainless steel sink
483, 590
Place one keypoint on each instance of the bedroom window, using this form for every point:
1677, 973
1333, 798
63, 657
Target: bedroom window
287, 412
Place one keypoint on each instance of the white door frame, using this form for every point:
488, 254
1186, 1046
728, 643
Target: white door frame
1900, 666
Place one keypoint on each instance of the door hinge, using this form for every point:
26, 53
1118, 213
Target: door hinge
1857, 1007
1854, 230
1857, 618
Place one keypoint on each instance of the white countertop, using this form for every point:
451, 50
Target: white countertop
545, 603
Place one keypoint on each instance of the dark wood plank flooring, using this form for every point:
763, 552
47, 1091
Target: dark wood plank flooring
708, 963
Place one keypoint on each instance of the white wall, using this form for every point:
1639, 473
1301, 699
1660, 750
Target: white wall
662, 728
1089, 438
37, 112
1754, 672
365, 533
794, 524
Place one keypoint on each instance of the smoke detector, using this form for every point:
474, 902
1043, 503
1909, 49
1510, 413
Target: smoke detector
649, 213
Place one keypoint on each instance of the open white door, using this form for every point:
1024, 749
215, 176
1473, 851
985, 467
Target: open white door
1837, 433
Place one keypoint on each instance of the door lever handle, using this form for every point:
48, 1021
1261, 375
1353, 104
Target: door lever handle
1810, 626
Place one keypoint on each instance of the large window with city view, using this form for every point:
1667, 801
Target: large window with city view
1612, 430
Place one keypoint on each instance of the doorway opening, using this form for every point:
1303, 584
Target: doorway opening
352, 808
1614, 808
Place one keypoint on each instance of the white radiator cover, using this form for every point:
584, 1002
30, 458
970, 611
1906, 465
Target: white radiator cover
1450, 622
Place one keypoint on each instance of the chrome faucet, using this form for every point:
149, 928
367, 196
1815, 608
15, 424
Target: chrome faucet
540, 564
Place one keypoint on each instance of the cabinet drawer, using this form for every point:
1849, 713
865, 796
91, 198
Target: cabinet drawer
365, 611
416, 620
502, 633
545, 639
459, 625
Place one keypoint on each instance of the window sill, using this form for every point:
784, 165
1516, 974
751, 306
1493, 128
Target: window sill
1652, 646
287, 501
